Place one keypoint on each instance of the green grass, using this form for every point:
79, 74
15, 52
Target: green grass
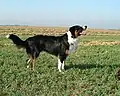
90, 71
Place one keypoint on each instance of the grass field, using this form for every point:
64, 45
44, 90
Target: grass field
90, 70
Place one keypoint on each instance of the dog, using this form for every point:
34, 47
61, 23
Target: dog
60, 46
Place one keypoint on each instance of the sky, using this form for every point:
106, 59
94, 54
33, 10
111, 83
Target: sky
93, 13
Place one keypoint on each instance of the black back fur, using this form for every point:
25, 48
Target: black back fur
34, 45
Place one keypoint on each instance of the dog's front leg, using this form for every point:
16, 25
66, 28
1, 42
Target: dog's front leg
63, 65
29, 61
61, 62
59, 65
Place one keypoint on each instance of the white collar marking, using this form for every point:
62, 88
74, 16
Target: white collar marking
73, 42
70, 39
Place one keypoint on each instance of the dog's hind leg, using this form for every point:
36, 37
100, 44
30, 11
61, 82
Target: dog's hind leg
33, 64
29, 61
33, 53
34, 57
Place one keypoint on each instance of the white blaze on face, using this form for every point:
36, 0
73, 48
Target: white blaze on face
73, 42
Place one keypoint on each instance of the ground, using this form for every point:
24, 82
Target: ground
90, 71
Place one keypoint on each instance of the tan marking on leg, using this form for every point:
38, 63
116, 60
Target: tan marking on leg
33, 59
33, 64
29, 61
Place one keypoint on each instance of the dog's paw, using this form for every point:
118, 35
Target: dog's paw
28, 66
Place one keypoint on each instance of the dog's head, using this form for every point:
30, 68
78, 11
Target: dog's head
77, 30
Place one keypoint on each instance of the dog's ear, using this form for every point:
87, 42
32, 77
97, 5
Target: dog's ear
72, 29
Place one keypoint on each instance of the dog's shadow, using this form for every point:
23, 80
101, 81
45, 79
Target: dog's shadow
88, 66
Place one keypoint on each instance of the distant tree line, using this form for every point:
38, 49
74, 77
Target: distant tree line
14, 25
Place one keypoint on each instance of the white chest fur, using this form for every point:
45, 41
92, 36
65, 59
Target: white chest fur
73, 42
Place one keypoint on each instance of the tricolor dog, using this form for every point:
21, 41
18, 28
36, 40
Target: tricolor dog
60, 46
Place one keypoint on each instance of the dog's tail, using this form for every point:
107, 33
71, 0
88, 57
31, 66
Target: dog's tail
17, 41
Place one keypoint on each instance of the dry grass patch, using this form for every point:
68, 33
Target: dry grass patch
110, 43
30, 30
